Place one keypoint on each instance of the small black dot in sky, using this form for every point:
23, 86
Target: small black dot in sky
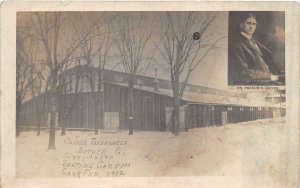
196, 36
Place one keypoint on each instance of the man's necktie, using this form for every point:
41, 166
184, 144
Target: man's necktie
261, 62
254, 45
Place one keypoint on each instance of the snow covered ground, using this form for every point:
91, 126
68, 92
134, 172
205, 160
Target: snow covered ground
254, 148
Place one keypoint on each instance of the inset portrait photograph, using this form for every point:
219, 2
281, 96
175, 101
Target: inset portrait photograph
256, 47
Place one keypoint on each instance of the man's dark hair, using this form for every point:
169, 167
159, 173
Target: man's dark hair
244, 17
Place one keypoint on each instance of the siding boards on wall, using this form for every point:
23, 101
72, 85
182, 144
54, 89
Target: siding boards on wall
123, 109
90, 111
205, 116
156, 112
162, 113
149, 110
193, 116
137, 109
73, 110
218, 113
199, 116
143, 112
149, 103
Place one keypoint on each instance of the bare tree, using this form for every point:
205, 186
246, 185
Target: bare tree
41, 108
31, 72
94, 50
22, 72
59, 43
96, 70
132, 40
36, 84
66, 87
185, 42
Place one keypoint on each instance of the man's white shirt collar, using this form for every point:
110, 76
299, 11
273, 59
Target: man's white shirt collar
246, 35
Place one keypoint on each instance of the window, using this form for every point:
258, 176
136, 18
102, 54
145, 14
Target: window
73, 83
68, 84
96, 84
118, 78
139, 82
79, 83
85, 83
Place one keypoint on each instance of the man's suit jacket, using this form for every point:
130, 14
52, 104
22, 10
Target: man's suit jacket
249, 66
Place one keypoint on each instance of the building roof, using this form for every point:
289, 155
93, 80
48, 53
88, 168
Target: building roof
196, 97
163, 83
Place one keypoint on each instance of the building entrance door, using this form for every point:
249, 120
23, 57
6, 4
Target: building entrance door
111, 120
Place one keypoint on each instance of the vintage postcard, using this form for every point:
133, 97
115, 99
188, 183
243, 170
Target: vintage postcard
150, 94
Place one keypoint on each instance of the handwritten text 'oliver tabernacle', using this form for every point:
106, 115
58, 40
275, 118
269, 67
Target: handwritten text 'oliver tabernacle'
94, 157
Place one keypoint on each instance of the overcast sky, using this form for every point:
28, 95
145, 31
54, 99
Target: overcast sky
211, 73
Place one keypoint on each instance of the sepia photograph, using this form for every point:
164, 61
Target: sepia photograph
256, 53
134, 94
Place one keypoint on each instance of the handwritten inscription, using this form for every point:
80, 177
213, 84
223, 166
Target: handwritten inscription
94, 157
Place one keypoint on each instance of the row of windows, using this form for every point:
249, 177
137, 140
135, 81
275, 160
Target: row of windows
84, 83
251, 109
241, 108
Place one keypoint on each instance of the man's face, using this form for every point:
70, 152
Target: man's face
248, 26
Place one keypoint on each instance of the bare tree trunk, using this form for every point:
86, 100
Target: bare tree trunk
99, 112
52, 115
176, 90
130, 120
130, 117
99, 101
64, 113
38, 131
63, 126
176, 118
52, 131
64, 119
42, 114
102, 109
176, 108
18, 118
96, 107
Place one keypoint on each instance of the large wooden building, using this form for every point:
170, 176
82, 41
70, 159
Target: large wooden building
201, 106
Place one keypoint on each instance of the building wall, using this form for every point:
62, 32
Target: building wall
83, 110
203, 115
79, 110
